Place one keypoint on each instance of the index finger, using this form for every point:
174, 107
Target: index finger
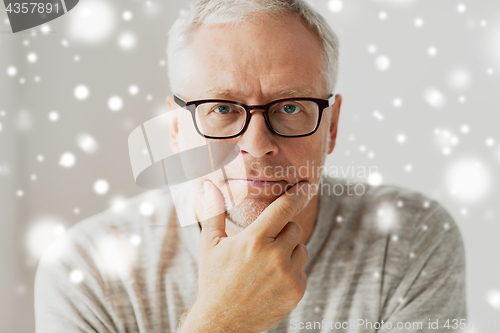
274, 218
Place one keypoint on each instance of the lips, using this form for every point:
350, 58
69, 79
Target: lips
283, 185
257, 180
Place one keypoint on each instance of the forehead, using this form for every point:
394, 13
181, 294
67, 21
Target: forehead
262, 57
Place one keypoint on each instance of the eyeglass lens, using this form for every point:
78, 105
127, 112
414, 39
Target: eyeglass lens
294, 117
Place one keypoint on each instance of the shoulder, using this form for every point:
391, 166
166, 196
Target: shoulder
103, 238
391, 209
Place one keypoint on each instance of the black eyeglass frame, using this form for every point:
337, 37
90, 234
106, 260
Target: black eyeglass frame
192, 105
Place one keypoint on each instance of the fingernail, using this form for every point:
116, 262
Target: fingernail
205, 187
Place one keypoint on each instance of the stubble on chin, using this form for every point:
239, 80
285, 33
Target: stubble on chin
247, 211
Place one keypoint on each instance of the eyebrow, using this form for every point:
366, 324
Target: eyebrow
227, 93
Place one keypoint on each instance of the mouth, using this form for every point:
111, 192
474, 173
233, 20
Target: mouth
258, 181
262, 183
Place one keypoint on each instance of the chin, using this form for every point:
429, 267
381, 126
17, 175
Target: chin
247, 211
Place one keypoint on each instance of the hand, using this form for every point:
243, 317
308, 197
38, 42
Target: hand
250, 281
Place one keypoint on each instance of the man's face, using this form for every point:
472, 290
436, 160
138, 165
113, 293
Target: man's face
256, 62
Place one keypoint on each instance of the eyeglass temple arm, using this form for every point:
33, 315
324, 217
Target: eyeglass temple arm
331, 100
179, 101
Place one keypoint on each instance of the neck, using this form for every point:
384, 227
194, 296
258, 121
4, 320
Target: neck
306, 219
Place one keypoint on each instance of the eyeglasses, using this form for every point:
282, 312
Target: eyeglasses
288, 117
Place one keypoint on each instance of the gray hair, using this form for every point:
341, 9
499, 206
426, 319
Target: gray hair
205, 12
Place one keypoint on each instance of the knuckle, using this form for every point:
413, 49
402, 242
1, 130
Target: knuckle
252, 246
296, 229
304, 250
279, 263
286, 208
295, 294
252, 243
207, 238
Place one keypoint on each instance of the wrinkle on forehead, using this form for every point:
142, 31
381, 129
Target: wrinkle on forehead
249, 62
220, 92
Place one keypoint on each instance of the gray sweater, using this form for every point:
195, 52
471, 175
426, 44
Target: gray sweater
388, 255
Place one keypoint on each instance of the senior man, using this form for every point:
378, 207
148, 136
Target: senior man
293, 255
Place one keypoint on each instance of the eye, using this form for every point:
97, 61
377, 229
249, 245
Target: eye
222, 109
290, 109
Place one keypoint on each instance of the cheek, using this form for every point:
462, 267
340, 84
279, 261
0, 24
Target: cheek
308, 154
188, 136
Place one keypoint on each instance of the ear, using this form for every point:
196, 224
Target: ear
173, 124
334, 122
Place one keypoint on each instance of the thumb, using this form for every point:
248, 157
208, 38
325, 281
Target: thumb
214, 216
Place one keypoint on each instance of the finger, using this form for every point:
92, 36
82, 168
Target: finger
289, 237
280, 211
303, 279
214, 216
299, 257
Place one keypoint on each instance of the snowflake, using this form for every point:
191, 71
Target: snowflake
118, 204
101, 186
11, 71
127, 41
397, 102
468, 179
432, 51
81, 92
434, 97
32, 57
459, 78
335, 6
67, 160
115, 103
53, 116
133, 90
127, 15
379, 116
401, 138
372, 48
87, 143
92, 21
135, 240
375, 179
382, 63
76, 276
146, 208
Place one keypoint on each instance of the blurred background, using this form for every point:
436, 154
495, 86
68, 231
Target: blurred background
420, 82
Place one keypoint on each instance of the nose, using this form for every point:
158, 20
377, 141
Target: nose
258, 140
